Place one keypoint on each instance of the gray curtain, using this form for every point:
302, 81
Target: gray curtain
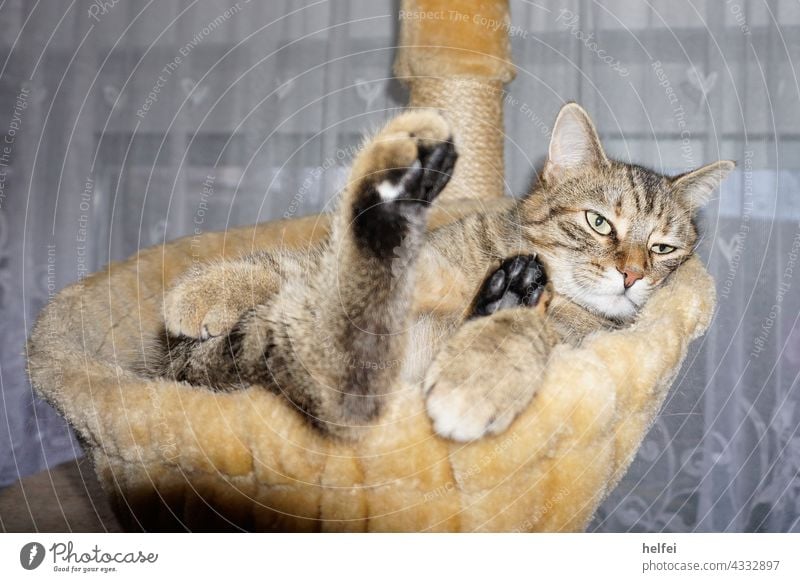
113, 115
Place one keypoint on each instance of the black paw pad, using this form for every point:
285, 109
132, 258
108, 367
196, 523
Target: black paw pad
519, 281
425, 179
437, 169
381, 214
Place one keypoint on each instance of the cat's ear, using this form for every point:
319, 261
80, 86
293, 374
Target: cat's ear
574, 143
698, 184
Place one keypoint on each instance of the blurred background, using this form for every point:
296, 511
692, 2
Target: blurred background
114, 113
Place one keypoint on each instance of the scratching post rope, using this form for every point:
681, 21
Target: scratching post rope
474, 107
455, 57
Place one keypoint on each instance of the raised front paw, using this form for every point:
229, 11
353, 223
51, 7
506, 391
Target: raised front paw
519, 281
209, 302
397, 176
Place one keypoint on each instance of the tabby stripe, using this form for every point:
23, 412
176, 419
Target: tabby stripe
634, 189
573, 231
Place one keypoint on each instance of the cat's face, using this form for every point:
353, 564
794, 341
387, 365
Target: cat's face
609, 232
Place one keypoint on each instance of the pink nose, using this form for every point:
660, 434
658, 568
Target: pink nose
630, 276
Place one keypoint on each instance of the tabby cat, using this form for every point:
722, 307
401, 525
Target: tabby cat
471, 309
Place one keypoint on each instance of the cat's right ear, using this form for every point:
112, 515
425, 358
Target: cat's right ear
574, 144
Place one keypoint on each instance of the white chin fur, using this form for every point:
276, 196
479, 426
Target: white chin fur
613, 306
607, 295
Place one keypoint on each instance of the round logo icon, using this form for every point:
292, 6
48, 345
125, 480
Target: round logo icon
31, 555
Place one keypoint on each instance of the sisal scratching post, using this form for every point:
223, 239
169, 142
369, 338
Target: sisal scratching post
455, 57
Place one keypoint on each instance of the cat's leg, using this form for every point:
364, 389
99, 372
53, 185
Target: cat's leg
207, 312
488, 371
333, 338
209, 300
340, 333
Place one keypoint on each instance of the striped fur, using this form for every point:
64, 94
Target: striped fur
382, 300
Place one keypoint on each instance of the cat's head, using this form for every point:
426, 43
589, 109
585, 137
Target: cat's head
610, 232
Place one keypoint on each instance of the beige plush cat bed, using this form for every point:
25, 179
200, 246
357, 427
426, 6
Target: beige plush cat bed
174, 457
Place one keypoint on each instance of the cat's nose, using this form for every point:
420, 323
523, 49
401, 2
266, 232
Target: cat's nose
630, 276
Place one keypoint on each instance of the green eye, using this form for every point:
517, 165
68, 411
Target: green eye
598, 223
661, 249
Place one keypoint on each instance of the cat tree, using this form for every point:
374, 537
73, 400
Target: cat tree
172, 457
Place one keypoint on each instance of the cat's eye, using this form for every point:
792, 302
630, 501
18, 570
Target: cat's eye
598, 223
662, 249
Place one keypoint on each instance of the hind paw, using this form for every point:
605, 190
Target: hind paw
398, 175
208, 303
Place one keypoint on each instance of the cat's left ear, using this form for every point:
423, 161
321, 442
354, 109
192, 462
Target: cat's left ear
698, 184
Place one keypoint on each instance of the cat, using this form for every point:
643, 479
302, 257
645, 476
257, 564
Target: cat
471, 310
